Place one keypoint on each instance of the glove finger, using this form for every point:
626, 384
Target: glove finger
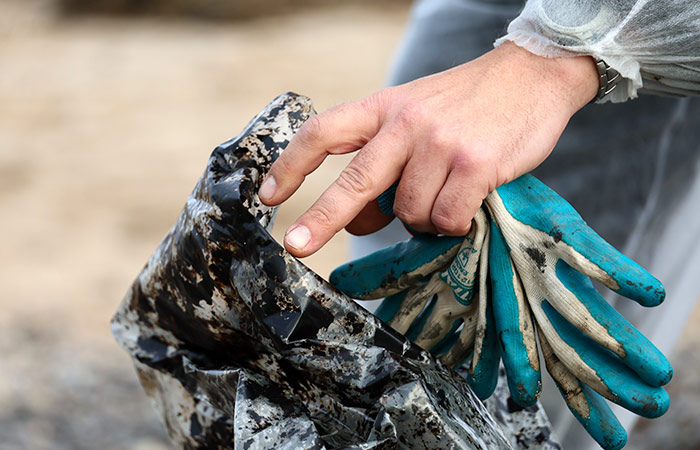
461, 277
463, 346
513, 322
557, 225
483, 371
414, 303
390, 306
586, 310
462, 273
439, 318
586, 405
449, 340
393, 269
598, 367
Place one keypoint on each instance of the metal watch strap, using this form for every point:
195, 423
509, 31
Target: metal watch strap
609, 78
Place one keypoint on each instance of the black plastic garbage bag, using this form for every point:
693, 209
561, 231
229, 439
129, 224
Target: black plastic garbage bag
241, 346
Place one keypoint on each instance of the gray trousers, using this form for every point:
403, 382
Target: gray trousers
630, 169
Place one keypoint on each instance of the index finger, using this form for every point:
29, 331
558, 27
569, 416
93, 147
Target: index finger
339, 130
375, 167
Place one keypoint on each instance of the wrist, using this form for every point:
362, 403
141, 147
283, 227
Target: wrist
574, 81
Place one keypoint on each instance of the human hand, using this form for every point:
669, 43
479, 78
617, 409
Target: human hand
450, 138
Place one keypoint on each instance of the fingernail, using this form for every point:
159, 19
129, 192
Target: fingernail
267, 190
298, 237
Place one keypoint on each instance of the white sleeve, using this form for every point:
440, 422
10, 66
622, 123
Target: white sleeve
654, 44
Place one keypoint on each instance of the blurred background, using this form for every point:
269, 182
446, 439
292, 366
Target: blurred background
108, 112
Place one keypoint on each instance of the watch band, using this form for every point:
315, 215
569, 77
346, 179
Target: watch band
609, 79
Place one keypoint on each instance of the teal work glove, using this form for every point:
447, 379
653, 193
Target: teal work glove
437, 293
542, 254
539, 249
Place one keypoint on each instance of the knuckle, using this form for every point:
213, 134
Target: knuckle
441, 140
406, 210
407, 216
380, 101
283, 165
409, 115
355, 181
449, 225
312, 129
323, 214
372, 102
470, 159
287, 174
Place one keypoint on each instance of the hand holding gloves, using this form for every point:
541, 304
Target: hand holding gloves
519, 277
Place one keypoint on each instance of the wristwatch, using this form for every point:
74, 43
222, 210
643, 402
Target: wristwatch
609, 79
578, 36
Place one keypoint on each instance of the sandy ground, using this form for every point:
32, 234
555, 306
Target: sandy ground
105, 127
